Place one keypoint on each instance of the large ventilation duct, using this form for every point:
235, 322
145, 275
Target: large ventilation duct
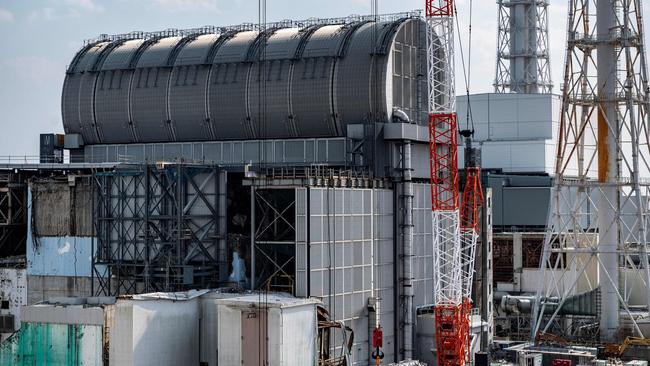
585, 304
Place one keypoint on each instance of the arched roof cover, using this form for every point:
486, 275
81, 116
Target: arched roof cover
236, 48
311, 80
158, 53
121, 56
195, 51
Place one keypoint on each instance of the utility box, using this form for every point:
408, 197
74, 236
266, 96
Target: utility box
530, 359
73, 141
258, 329
51, 148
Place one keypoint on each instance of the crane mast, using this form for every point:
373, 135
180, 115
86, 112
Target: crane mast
455, 228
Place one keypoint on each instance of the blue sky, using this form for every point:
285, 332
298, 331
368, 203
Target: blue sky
38, 38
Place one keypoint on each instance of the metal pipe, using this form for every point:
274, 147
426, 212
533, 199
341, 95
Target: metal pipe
253, 237
407, 232
608, 225
222, 201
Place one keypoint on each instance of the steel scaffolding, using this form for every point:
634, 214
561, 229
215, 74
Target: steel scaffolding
273, 239
523, 60
13, 214
597, 231
159, 228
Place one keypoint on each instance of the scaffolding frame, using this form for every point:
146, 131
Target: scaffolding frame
13, 214
523, 65
273, 238
598, 219
158, 228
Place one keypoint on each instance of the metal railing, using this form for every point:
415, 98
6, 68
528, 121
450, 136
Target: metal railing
24, 159
288, 23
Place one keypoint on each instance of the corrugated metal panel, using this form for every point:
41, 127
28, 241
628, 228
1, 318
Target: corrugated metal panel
268, 99
236, 48
70, 103
282, 44
299, 152
111, 93
353, 103
195, 51
89, 58
311, 92
228, 82
187, 101
422, 247
314, 78
158, 53
324, 42
120, 57
348, 229
149, 103
85, 109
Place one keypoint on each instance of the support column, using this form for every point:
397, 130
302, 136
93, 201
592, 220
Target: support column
407, 258
253, 234
608, 223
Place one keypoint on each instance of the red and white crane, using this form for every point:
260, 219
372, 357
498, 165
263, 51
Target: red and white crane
455, 228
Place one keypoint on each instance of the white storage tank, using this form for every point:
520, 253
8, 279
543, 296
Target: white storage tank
258, 329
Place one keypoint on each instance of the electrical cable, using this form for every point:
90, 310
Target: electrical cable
466, 69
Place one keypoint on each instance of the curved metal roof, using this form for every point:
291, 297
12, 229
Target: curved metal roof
307, 80
121, 56
158, 53
236, 48
283, 43
196, 50
87, 57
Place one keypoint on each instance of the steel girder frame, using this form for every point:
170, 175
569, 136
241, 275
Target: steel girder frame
158, 228
13, 215
273, 239
597, 232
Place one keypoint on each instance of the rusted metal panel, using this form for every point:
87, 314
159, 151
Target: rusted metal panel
53, 344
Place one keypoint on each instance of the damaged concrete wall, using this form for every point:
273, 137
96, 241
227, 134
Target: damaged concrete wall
59, 242
13, 295
62, 208
42, 288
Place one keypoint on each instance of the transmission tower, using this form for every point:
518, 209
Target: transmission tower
523, 61
595, 258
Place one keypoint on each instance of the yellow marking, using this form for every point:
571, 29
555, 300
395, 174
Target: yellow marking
603, 153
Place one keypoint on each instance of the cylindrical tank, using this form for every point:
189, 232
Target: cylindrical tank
292, 82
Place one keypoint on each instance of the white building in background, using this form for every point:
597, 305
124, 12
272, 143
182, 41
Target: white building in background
517, 132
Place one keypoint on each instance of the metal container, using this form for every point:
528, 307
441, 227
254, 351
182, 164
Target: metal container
258, 329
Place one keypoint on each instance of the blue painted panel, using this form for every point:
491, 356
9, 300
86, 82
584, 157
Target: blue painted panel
60, 256
57, 256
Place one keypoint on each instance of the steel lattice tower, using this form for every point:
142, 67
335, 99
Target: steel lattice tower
523, 61
453, 242
597, 240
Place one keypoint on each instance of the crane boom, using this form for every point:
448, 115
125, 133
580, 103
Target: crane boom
455, 228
